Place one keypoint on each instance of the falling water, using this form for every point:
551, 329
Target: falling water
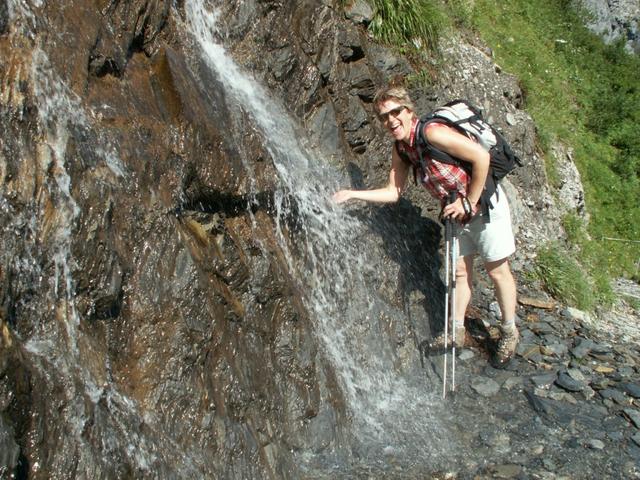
55, 344
386, 409
390, 415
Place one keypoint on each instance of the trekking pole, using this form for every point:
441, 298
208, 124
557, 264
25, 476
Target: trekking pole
454, 257
447, 247
451, 254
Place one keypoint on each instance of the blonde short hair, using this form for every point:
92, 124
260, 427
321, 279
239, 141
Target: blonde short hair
397, 94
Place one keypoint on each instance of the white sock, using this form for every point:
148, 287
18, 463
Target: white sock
509, 324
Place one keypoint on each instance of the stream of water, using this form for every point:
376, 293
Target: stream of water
390, 416
386, 408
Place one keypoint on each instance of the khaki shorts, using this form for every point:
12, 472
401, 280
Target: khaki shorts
493, 240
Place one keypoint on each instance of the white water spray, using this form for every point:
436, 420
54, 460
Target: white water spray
344, 307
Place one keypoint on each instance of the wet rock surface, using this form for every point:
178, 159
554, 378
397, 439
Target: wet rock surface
154, 321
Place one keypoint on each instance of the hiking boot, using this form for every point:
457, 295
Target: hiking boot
438, 344
506, 347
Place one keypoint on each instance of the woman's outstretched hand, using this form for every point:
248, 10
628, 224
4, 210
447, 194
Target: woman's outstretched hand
341, 196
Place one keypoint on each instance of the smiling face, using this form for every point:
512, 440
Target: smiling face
396, 118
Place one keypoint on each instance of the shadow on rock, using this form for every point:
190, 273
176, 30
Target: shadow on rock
412, 241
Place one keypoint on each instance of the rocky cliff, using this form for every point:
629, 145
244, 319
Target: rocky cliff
615, 20
179, 297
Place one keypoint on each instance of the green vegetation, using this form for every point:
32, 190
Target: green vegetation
581, 93
408, 24
584, 94
634, 302
564, 277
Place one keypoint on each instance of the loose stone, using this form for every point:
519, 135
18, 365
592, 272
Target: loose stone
576, 374
558, 349
615, 395
633, 415
543, 381
604, 369
506, 471
536, 302
512, 382
536, 403
600, 383
541, 392
625, 372
595, 444
486, 387
568, 383
615, 436
466, 355
542, 328
631, 389
588, 393
575, 314
537, 450
563, 397
583, 347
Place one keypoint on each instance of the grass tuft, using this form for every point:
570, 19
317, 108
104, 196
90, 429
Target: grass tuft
564, 277
408, 24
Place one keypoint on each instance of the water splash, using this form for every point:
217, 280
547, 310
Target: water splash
386, 410
60, 117
336, 259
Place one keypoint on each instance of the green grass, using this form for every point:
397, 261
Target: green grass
634, 302
579, 92
411, 25
584, 94
564, 277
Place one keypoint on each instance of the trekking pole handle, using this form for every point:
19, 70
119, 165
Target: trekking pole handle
448, 222
452, 196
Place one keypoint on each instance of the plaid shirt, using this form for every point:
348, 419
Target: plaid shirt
439, 178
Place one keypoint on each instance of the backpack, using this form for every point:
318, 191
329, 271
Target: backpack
468, 120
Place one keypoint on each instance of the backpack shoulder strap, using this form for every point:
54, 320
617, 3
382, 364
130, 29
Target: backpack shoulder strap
435, 153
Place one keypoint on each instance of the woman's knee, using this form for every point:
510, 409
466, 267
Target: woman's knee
499, 270
464, 267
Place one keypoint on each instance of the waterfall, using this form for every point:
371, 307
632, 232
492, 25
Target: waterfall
337, 269
56, 346
97, 427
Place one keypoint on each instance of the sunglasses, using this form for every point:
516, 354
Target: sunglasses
391, 113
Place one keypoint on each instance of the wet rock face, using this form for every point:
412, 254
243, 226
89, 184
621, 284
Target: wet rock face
152, 327
138, 295
321, 61
126, 28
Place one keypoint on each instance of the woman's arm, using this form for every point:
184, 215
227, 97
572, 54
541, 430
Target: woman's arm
388, 194
457, 145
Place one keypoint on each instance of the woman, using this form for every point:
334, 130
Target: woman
492, 240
